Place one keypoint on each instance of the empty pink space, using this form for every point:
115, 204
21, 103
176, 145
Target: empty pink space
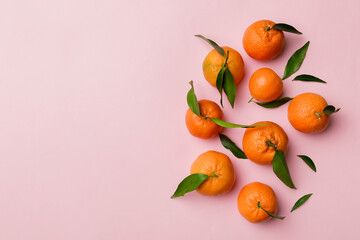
93, 139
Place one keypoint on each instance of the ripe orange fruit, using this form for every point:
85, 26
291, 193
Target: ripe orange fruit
249, 197
257, 142
204, 128
261, 43
302, 113
214, 61
265, 85
217, 163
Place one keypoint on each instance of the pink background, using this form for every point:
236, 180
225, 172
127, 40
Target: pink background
92, 135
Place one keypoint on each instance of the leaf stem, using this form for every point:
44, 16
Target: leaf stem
227, 57
269, 213
319, 114
270, 144
250, 100
268, 28
214, 175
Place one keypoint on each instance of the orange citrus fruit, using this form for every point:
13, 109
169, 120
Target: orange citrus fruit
214, 61
219, 165
204, 128
265, 85
261, 42
249, 197
304, 111
258, 143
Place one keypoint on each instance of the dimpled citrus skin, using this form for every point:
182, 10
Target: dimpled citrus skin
248, 199
204, 128
255, 146
301, 113
261, 44
214, 61
265, 85
218, 163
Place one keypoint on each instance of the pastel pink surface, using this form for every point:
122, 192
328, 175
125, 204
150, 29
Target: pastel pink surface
93, 141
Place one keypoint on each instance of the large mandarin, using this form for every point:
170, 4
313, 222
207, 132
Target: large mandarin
214, 61
305, 113
261, 42
253, 194
258, 142
218, 164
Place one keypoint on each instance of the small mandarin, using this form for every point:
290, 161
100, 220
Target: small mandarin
256, 142
214, 61
219, 165
265, 85
304, 111
249, 197
204, 128
261, 42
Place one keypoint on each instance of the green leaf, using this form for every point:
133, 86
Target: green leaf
220, 78
308, 161
228, 144
308, 78
213, 44
295, 61
330, 109
274, 104
189, 184
281, 169
192, 100
229, 87
269, 213
301, 201
286, 28
219, 83
232, 125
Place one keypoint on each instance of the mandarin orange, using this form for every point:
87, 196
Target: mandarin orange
265, 85
261, 42
219, 167
258, 143
253, 194
204, 128
214, 61
304, 111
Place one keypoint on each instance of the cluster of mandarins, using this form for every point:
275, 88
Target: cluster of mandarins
212, 173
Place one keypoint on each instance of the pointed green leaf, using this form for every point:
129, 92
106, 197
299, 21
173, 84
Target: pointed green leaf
229, 87
228, 144
295, 61
308, 161
232, 125
286, 28
274, 104
213, 44
189, 184
281, 169
220, 78
308, 78
192, 100
330, 109
301, 201
269, 213
219, 83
